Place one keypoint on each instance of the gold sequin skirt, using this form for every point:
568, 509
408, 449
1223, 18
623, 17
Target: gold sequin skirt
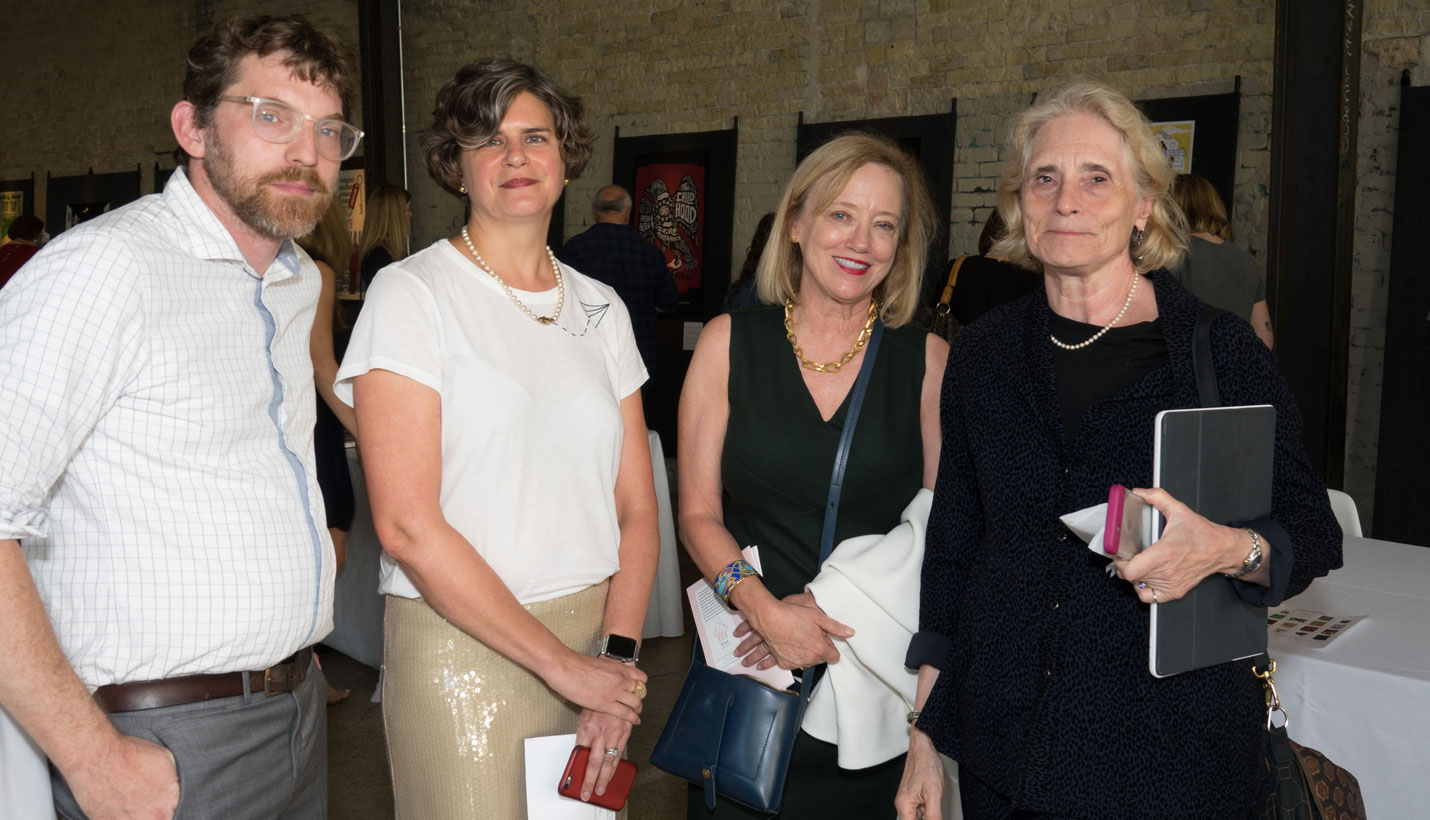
457, 712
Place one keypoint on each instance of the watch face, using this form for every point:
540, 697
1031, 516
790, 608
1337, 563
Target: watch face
620, 647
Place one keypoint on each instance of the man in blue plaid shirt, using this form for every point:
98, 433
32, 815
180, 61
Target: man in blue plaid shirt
613, 252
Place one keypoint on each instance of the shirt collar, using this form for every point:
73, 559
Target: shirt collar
208, 239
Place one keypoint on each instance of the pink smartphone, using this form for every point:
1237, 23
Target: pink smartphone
1128, 529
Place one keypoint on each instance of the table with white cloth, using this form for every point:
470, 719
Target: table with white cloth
24, 775
357, 606
1364, 698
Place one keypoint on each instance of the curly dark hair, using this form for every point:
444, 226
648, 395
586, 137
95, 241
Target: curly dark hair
470, 107
315, 55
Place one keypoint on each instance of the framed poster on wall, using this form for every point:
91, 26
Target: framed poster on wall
669, 210
683, 200
75, 199
17, 197
1198, 135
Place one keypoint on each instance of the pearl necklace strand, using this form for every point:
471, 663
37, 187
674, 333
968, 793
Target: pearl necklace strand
555, 268
1107, 327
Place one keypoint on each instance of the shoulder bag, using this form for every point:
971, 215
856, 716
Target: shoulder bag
939, 319
734, 735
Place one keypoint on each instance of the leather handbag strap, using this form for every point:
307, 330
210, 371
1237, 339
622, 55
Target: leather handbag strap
1207, 393
952, 279
841, 457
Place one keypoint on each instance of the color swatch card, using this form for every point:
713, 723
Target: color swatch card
1308, 627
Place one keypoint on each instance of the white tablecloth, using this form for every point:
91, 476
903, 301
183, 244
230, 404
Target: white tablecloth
1364, 698
666, 616
357, 607
24, 775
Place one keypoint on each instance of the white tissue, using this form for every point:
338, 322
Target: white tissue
1088, 525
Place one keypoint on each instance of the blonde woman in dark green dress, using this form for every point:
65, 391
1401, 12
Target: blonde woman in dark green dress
763, 408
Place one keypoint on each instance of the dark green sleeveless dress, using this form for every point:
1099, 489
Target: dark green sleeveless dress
776, 466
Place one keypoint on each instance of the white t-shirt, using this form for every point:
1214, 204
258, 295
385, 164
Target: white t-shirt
531, 420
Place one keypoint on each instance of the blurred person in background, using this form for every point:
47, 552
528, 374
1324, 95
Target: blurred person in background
1214, 270
386, 230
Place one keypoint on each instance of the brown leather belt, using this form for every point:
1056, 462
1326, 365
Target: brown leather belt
283, 676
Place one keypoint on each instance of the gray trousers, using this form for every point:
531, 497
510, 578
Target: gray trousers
250, 757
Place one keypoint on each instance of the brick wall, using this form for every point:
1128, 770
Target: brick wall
653, 67
1394, 38
90, 85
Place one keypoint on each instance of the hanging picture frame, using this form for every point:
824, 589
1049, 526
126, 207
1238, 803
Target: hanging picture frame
682, 189
1199, 136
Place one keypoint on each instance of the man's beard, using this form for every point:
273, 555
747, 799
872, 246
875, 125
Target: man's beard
266, 212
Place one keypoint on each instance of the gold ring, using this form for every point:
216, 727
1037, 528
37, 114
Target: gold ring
640, 689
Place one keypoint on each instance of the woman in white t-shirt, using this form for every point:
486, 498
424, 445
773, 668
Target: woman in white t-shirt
500, 422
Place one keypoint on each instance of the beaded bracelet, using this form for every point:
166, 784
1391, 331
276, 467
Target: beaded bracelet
732, 575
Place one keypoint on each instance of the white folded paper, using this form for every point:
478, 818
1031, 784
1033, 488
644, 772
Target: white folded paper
716, 625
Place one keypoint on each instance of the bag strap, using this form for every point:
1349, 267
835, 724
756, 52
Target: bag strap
1207, 393
948, 288
841, 457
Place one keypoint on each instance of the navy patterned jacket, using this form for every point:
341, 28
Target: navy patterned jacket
1044, 692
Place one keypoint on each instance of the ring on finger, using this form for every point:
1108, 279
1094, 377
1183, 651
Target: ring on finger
1154, 595
613, 752
639, 690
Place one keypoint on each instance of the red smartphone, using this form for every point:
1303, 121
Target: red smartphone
1128, 529
616, 791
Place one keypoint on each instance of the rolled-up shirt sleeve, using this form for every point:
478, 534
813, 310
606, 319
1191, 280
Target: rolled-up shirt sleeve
72, 335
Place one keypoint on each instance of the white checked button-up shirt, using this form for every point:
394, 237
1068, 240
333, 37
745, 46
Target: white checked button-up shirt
156, 450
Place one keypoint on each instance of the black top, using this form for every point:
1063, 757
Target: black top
985, 283
625, 260
779, 452
1099, 371
375, 260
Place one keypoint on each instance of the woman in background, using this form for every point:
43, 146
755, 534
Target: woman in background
1214, 270
386, 230
741, 292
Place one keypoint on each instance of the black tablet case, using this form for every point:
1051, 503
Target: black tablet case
1218, 461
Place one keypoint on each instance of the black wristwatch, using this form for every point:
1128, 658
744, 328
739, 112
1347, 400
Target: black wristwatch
621, 648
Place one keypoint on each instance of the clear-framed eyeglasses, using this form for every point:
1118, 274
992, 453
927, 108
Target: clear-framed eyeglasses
280, 122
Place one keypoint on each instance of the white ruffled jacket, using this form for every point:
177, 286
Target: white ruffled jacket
871, 583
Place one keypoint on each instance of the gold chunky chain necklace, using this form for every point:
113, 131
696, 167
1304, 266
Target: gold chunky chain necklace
555, 268
1098, 335
829, 367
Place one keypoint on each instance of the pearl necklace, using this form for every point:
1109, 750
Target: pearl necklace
555, 268
1115, 320
829, 367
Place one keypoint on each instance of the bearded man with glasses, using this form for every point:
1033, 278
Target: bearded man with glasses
163, 559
